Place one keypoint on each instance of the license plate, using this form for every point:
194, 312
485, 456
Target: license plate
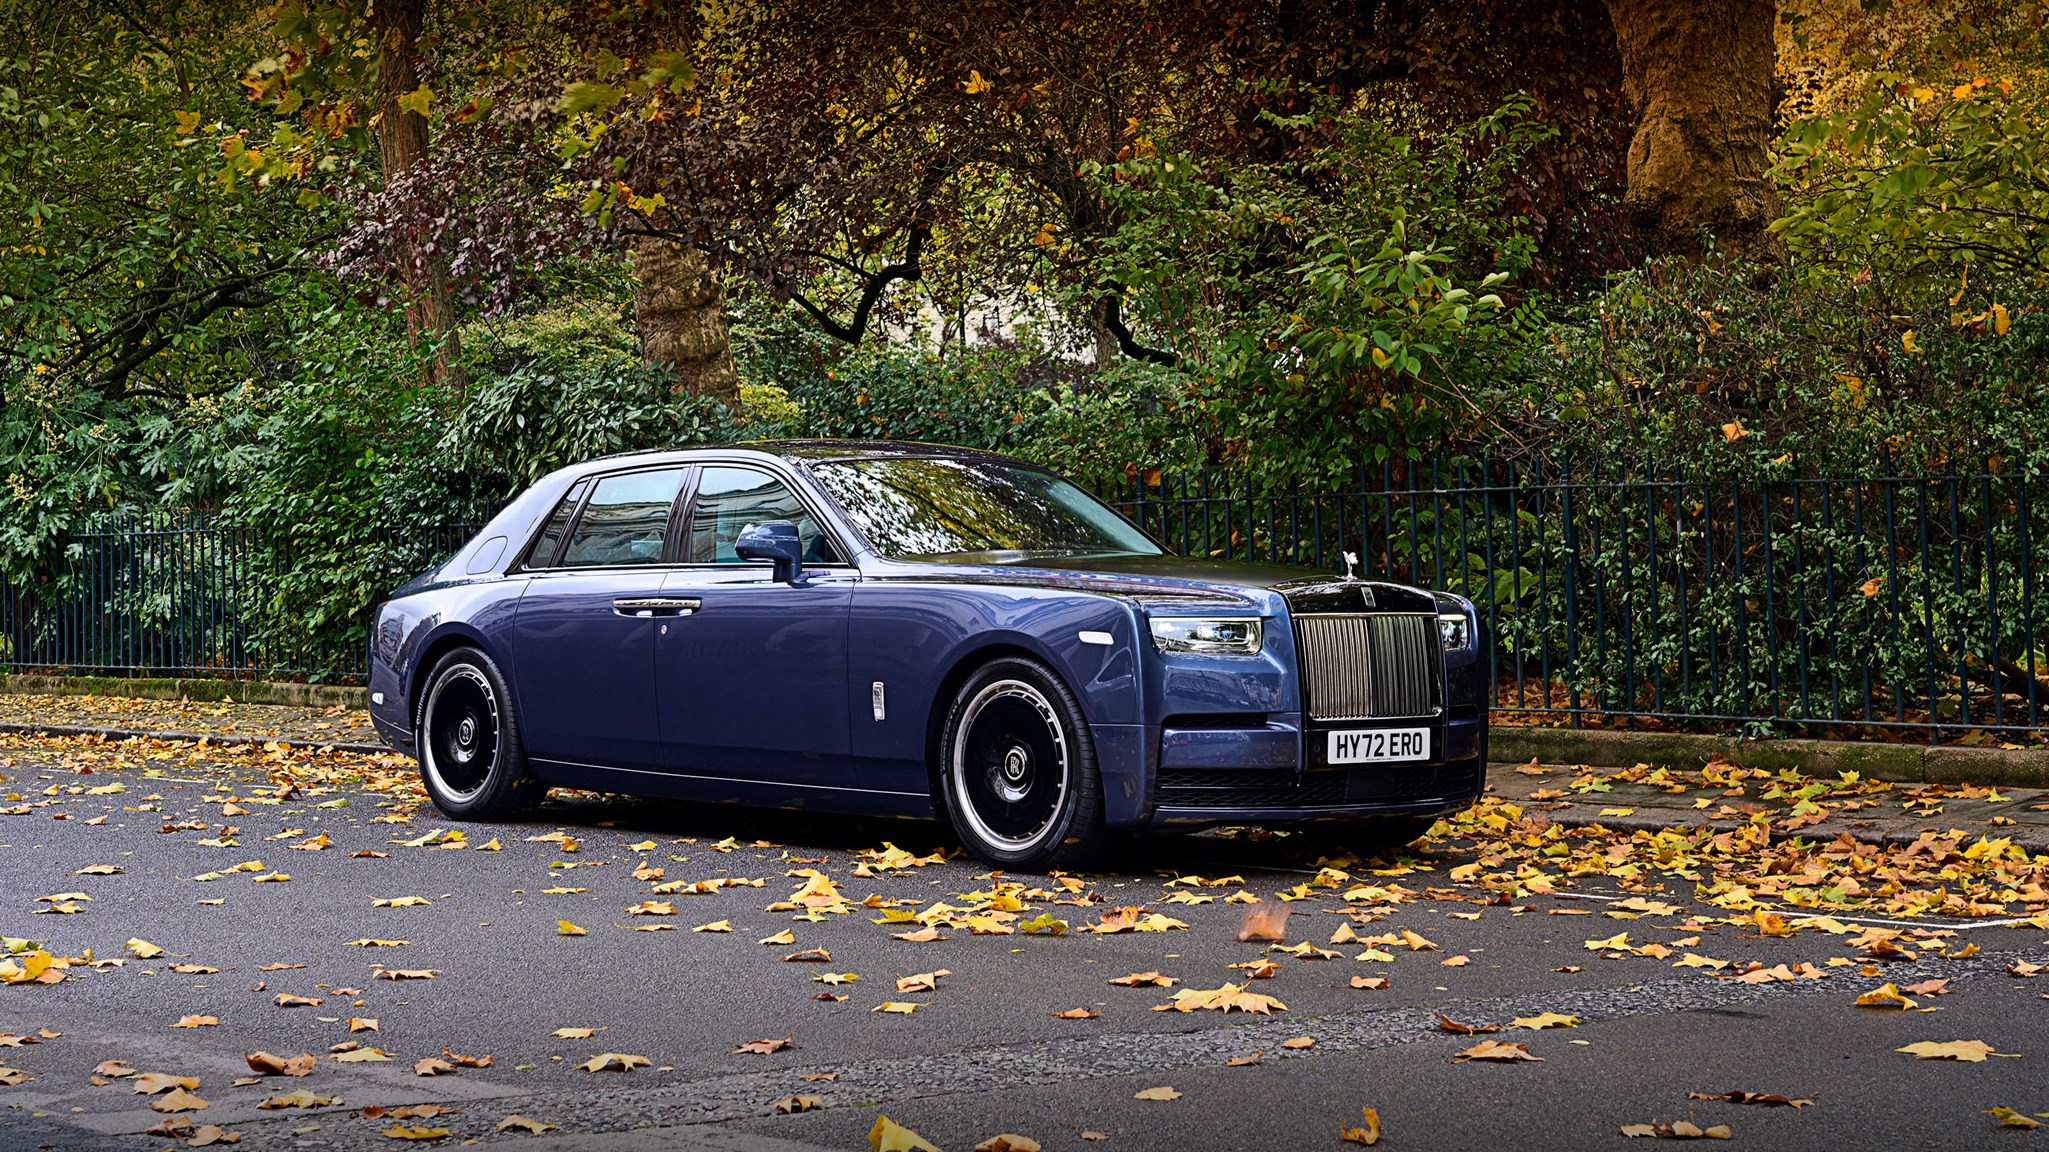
1377, 745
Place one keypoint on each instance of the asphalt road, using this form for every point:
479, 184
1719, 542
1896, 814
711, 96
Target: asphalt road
982, 1054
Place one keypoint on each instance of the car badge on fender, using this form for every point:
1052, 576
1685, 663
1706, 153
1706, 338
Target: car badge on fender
1366, 594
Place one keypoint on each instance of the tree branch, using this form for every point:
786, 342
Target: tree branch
1113, 319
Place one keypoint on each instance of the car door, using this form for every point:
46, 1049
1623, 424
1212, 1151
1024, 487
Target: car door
753, 679
584, 635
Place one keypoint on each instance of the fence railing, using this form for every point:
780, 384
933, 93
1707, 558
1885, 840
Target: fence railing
172, 593
1827, 604
1884, 601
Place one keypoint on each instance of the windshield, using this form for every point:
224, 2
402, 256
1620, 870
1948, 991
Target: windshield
934, 507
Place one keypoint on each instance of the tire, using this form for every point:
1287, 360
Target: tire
1017, 769
471, 758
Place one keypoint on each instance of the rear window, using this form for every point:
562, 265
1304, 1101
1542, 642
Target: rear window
626, 520
542, 554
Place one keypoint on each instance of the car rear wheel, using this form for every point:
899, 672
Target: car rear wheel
1018, 769
471, 758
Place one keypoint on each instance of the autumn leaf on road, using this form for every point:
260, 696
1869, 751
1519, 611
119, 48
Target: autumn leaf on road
300, 1098
922, 982
1161, 1093
576, 1033
1495, 1050
889, 1136
178, 1100
565, 928
1264, 922
414, 1132
1229, 998
614, 1062
1544, 1020
1009, 1142
897, 1007
1076, 1014
1679, 1130
1145, 979
1367, 1133
1969, 1051
1369, 982
715, 926
1751, 1098
1886, 995
524, 1124
789, 1105
1447, 1024
197, 1022
2011, 1118
265, 1064
432, 1066
762, 1047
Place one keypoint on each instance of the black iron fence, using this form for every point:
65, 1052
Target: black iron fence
1820, 603
172, 593
1829, 604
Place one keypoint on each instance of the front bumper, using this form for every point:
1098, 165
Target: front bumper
1276, 774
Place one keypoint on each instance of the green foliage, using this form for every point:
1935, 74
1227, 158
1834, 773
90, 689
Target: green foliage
1321, 305
1924, 189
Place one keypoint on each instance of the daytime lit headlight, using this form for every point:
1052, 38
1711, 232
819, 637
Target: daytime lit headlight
1455, 630
1229, 636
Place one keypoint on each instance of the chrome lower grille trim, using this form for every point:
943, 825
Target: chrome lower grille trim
1360, 666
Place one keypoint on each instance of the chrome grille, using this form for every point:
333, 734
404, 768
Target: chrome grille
1361, 667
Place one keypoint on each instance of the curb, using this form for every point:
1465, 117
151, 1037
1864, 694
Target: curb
1911, 763
187, 737
244, 691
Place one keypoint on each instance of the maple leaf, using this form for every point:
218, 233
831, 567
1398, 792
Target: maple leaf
1545, 1020
1229, 998
414, 1132
2011, 1118
925, 935
1161, 1093
1495, 1050
1368, 1133
576, 1033
142, 949
762, 1047
379, 972
1009, 1142
197, 1022
362, 1024
922, 982
889, 1136
299, 1098
287, 1000
783, 937
715, 926
1145, 980
265, 1064
897, 1007
151, 1083
432, 1066
1369, 982
1076, 1014
565, 928
178, 1100
615, 1062
809, 956
524, 1124
790, 1105
1886, 995
1750, 1098
1968, 1051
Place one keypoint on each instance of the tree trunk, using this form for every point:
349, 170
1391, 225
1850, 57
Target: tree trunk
401, 144
1700, 75
680, 310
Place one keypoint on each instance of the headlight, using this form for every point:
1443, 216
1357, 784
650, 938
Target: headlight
1231, 636
1455, 630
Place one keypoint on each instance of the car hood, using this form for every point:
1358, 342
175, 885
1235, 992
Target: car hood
1182, 578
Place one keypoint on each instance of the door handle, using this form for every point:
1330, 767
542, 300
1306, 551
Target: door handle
655, 606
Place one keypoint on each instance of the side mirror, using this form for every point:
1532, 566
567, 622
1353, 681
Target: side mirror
775, 541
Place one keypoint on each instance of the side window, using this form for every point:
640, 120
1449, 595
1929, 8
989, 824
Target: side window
729, 499
542, 554
625, 521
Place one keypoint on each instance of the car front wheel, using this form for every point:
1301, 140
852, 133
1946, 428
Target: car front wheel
1019, 769
471, 759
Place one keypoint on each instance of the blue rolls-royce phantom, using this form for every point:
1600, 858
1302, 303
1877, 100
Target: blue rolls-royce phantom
903, 629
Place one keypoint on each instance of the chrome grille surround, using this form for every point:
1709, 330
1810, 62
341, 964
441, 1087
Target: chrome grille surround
1369, 666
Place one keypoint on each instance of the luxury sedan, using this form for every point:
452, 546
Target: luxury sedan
903, 629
